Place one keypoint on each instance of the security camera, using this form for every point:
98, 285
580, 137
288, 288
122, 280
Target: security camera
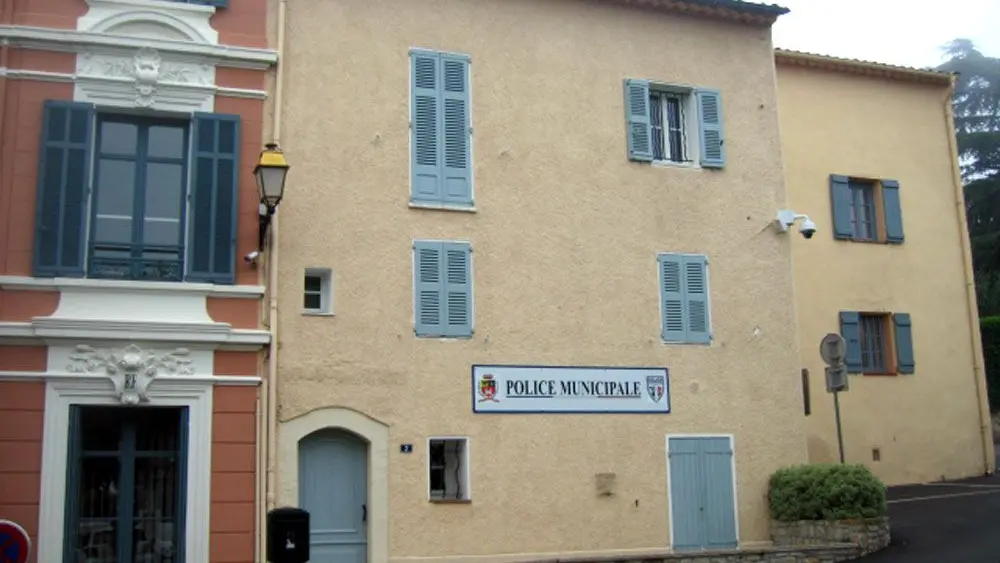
786, 218
251, 258
807, 228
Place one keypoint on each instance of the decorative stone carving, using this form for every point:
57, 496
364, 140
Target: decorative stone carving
150, 19
131, 369
145, 80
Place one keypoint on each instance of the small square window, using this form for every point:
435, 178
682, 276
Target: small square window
317, 295
448, 460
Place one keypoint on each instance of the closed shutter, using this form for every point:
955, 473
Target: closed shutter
713, 152
905, 362
850, 330
893, 211
214, 191
696, 296
458, 288
429, 309
672, 302
840, 203
457, 187
64, 163
637, 122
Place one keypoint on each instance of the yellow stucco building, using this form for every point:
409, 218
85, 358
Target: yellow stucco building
870, 155
531, 300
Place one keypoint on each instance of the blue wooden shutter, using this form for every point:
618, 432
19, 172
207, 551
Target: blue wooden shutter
456, 130
214, 189
458, 288
62, 190
71, 519
426, 169
429, 303
720, 505
713, 152
672, 302
904, 343
638, 131
687, 490
840, 203
696, 297
850, 329
893, 211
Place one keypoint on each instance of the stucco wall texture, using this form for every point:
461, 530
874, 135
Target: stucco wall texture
926, 425
564, 261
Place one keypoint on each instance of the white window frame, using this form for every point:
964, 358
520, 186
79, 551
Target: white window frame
689, 123
325, 276
466, 474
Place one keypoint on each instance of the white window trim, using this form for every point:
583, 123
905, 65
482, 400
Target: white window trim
60, 393
736, 491
325, 292
466, 469
691, 132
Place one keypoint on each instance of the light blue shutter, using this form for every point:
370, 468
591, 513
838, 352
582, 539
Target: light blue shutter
426, 181
62, 189
639, 133
850, 329
687, 491
720, 506
696, 297
840, 203
457, 185
215, 185
904, 343
458, 289
672, 317
713, 152
893, 211
428, 271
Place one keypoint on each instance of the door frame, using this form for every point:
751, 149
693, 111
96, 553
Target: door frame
670, 496
290, 432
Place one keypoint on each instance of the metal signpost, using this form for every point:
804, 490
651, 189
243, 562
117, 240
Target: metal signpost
833, 350
14, 543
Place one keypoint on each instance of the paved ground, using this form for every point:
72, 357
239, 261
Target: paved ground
944, 523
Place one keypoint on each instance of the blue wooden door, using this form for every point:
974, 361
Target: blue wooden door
703, 511
333, 487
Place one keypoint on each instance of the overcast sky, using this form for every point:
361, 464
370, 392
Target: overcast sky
902, 32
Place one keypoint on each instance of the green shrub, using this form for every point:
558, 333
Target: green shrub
990, 329
824, 491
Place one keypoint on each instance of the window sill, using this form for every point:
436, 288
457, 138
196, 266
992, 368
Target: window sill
25, 283
443, 207
318, 314
684, 343
672, 164
878, 374
450, 501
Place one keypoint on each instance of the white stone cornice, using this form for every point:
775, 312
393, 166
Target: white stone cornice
51, 331
69, 378
25, 283
72, 41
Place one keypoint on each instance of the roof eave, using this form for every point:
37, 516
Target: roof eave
866, 68
727, 10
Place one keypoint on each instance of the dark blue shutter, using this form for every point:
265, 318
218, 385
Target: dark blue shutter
637, 122
458, 288
713, 152
71, 518
893, 211
456, 130
672, 301
428, 288
850, 329
62, 190
696, 297
214, 198
840, 203
216, 3
904, 343
425, 101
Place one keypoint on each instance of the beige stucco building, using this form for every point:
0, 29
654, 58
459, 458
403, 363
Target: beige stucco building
870, 156
483, 185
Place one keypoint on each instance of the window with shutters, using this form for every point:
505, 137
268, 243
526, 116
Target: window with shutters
675, 125
441, 130
878, 343
448, 464
135, 198
442, 289
866, 210
685, 311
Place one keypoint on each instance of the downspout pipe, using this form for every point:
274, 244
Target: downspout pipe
978, 372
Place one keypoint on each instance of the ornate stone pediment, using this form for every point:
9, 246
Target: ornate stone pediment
130, 369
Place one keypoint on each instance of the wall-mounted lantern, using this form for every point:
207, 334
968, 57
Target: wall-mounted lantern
271, 170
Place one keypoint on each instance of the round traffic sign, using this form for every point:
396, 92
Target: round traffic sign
14, 543
832, 349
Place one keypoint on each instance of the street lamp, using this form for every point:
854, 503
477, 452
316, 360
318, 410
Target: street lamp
271, 170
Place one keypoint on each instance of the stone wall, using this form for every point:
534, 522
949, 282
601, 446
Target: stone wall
870, 535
